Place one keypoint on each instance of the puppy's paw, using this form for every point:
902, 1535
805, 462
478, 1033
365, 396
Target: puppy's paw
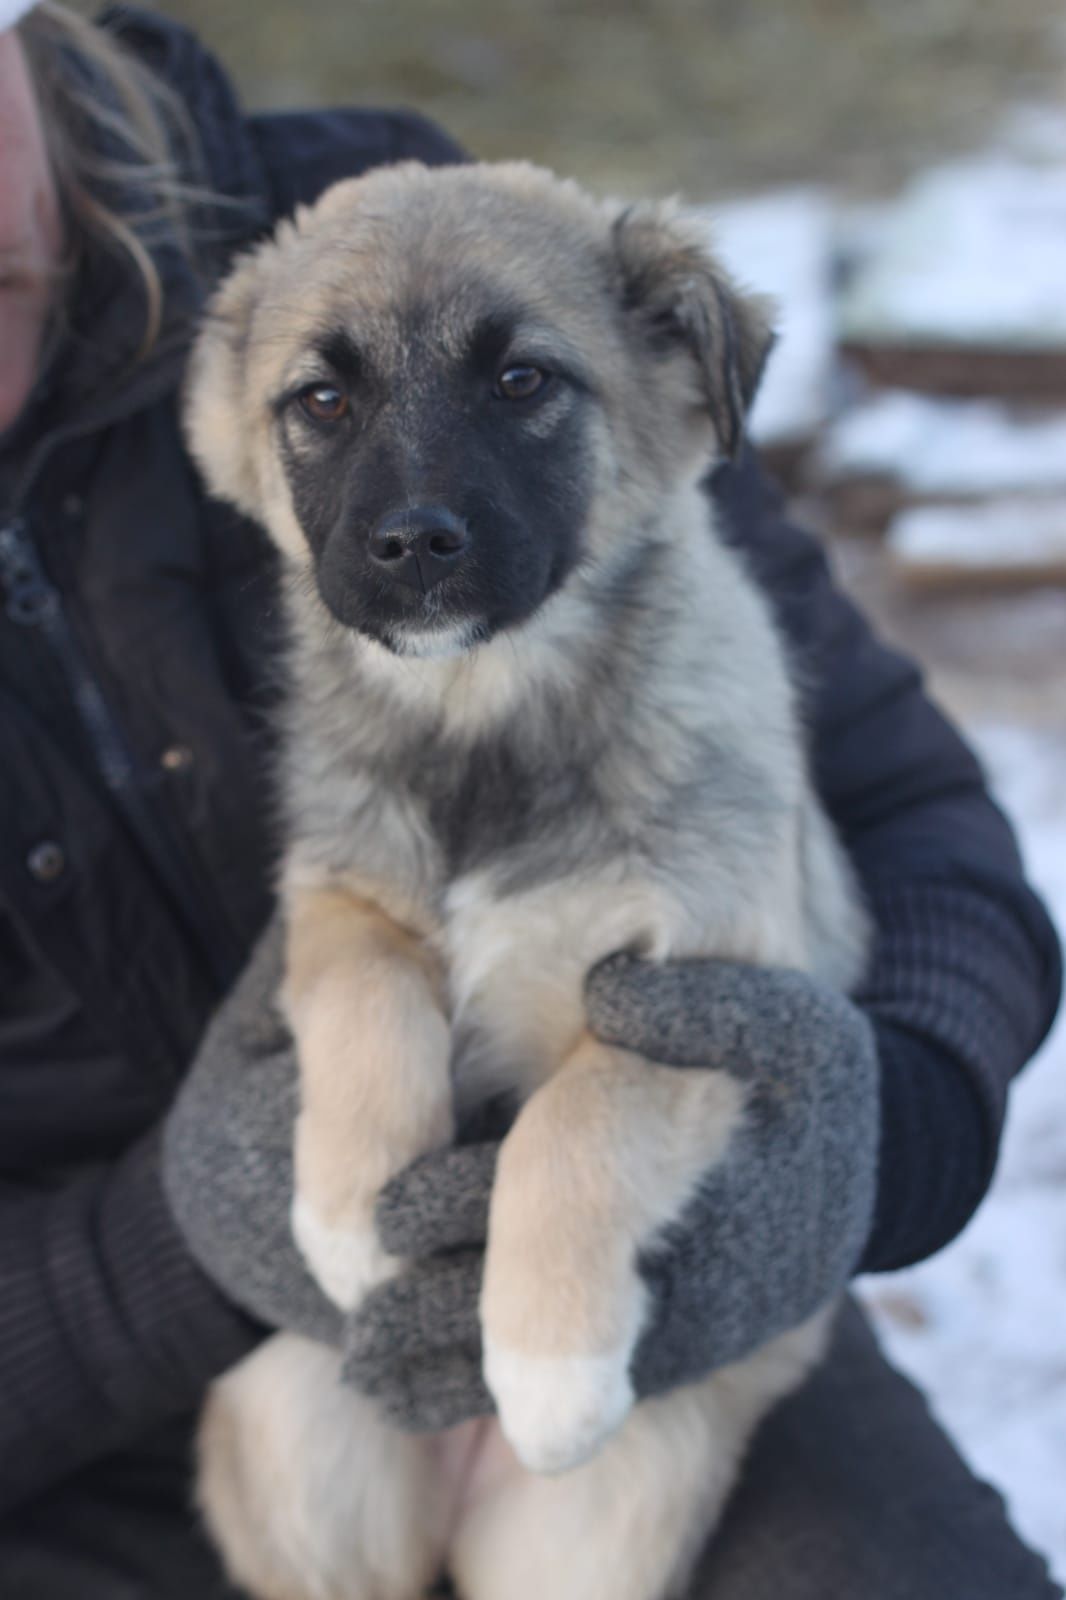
346, 1261
557, 1411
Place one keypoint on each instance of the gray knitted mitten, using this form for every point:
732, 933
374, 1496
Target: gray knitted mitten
227, 1156
775, 1231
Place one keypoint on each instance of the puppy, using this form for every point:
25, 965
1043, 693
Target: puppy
537, 713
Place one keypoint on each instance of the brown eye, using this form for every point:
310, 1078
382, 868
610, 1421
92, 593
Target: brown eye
519, 383
324, 403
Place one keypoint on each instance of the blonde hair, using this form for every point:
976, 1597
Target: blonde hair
96, 97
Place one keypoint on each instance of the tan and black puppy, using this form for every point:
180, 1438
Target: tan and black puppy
537, 713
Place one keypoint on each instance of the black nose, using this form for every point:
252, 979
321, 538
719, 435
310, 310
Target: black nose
418, 547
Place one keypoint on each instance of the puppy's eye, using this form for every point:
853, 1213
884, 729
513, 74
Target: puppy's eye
519, 382
323, 402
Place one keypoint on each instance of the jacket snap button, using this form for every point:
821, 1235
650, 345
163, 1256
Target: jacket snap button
176, 759
46, 861
73, 505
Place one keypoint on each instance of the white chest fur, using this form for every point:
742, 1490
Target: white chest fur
517, 964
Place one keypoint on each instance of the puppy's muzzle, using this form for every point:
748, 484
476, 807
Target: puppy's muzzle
418, 547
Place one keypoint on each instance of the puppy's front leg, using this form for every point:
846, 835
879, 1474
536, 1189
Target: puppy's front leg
601, 1158
365, 1002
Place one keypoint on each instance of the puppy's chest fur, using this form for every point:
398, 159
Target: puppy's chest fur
653, 798
523, 816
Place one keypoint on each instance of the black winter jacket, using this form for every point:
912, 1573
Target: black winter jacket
137, 625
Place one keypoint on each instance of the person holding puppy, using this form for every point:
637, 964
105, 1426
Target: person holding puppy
147, 1084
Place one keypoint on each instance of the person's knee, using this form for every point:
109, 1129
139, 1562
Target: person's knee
852, 1489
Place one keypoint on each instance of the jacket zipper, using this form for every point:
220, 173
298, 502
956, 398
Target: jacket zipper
33, 601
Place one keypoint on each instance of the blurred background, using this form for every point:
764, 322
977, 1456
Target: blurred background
706, 95
895, 172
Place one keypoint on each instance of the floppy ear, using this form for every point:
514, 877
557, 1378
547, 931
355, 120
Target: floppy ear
672, 284
215, 393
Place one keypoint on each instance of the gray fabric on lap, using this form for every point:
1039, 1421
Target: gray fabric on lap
851, 1492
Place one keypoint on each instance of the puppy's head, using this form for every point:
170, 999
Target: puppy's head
449, 391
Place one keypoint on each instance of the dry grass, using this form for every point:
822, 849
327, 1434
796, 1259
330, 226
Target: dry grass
705, 95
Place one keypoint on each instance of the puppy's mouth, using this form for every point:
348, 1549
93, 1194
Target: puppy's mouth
438, 624
462, 611
441, 642
432, 626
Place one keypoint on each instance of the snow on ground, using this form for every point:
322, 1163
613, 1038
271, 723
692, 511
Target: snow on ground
973, 253
1034, 132
1025, 538
982, 1326
932, 446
